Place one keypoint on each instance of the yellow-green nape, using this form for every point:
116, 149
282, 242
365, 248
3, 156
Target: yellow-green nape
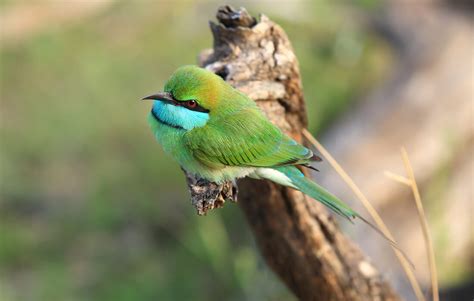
192, 82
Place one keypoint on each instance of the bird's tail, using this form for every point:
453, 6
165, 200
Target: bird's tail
292, 177
300, 182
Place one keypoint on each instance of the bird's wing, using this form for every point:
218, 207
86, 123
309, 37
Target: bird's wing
245, 138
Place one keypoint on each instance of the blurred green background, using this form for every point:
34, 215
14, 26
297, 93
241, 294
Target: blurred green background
91, 208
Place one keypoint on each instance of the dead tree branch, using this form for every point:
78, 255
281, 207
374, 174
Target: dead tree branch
299, 240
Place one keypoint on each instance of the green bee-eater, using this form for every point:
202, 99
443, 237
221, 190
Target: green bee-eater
220, 134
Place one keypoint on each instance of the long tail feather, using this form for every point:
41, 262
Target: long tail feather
390, 241
303, 184
312, 189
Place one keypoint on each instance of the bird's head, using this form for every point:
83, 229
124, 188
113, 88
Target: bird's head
190, 95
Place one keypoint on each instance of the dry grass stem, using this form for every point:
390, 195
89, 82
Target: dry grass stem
397, 178
378, 220
424, 226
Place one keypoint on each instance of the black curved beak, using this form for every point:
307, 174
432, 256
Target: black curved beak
163, 96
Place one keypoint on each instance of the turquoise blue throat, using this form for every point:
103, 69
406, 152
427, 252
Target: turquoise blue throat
178, 117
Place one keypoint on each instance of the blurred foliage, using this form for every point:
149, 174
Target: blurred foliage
91, 208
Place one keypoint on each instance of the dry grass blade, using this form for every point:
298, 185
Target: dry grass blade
378, 220
397, 178
424, 226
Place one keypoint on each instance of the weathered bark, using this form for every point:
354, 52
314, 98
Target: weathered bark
298, 238
206, 195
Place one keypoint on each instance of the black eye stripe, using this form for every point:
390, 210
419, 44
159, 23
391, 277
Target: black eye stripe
196, 108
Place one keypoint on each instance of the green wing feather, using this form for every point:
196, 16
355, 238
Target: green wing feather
244, 138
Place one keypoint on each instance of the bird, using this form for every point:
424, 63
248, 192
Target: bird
218, 133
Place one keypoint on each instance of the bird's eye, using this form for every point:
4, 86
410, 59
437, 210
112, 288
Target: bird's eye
191, 104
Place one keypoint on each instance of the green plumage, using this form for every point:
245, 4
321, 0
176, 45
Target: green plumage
244, 138
234, 140
219, 134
